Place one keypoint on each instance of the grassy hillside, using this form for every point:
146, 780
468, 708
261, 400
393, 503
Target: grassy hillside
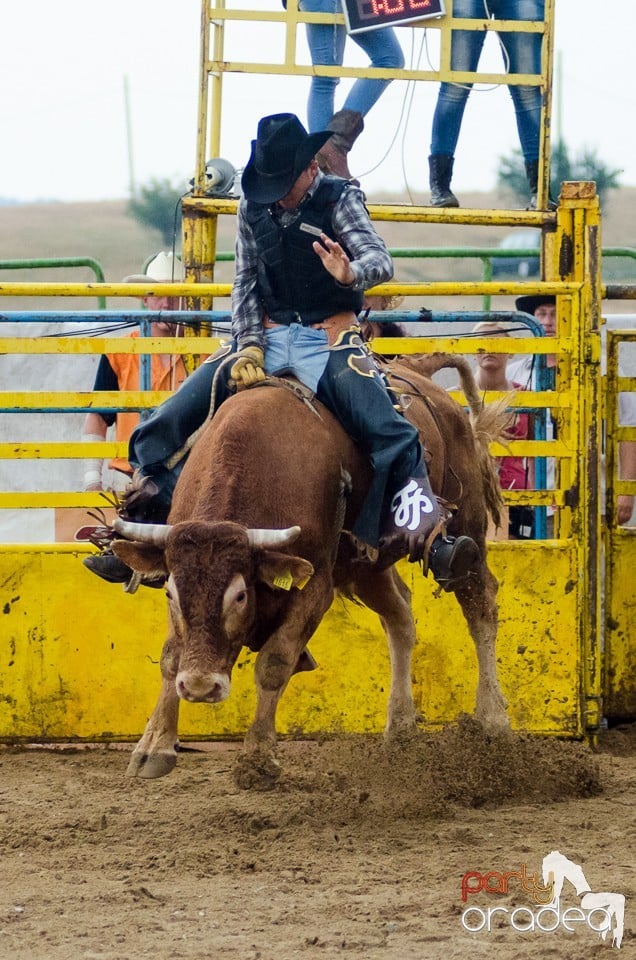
106, 233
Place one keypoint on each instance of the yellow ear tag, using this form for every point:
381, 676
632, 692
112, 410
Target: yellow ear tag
284, 582
301, 584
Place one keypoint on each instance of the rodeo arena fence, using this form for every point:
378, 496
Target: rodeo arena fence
80, 657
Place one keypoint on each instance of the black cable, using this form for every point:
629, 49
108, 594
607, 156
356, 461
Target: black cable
174, 230
104, 329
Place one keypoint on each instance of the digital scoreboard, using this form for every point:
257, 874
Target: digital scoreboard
372, 14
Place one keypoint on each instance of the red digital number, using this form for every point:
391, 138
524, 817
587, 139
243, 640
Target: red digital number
388, 6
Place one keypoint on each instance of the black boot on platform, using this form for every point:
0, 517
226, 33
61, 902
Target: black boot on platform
440, 168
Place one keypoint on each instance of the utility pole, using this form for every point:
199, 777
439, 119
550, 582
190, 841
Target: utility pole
559, 98
132, 186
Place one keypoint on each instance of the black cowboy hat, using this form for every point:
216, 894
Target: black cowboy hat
530, 304
280, 153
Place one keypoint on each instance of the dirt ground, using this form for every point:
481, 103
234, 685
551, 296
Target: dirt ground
359, 851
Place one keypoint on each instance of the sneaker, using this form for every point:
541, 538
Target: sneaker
451, 560
551, 204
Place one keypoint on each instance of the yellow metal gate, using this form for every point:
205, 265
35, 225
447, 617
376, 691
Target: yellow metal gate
80, 658
619, 688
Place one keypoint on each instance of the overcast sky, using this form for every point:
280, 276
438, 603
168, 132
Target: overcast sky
63, 118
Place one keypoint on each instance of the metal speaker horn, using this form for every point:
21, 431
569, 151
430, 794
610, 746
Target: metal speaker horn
220, 175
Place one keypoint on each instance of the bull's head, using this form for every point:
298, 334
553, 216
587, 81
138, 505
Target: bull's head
213, 570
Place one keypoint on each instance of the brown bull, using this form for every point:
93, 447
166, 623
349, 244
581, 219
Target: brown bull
270, 471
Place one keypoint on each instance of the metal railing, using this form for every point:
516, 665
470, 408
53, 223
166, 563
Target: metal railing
142, 400
217, 15
57, 263
484, 254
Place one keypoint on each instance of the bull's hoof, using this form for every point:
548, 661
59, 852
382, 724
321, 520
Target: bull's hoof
256, 771
401, 734
151, 766
494, 724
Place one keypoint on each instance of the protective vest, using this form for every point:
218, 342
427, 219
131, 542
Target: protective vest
291, 277
126, 368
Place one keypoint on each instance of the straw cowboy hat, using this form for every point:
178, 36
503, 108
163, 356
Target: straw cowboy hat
164, 268
280, 153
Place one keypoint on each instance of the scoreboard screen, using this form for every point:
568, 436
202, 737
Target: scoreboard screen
372, 14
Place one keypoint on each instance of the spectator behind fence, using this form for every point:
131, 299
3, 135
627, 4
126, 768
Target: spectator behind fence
626, 457
523, 371
492, 374
120, 371
326, 43
522, 54
543, 308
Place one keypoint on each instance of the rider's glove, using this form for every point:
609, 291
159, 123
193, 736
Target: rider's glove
248, 369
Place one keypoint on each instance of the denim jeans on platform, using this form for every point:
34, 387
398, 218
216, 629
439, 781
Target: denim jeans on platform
326, 43
524, 53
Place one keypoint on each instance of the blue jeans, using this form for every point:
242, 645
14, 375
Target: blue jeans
300, 350
326, 43
524, 53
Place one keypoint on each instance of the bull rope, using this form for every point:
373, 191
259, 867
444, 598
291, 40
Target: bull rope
295, 387
183, 451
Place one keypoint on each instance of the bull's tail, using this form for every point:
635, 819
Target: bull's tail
488, 421
428, 364
488, 425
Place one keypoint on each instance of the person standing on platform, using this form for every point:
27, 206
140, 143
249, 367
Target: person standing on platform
522, 54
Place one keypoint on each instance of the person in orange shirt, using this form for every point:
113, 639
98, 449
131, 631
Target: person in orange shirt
120, 371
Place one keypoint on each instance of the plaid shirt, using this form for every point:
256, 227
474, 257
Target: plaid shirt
371, 263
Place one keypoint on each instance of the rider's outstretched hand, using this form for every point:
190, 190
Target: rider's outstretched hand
334, 260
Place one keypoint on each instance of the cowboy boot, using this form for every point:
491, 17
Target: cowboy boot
416, 522
149, 496
145, 501
413, 517
347, 125
451, 560
532, 173
440, 168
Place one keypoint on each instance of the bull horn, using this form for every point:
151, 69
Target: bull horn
266, 539
155, 533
